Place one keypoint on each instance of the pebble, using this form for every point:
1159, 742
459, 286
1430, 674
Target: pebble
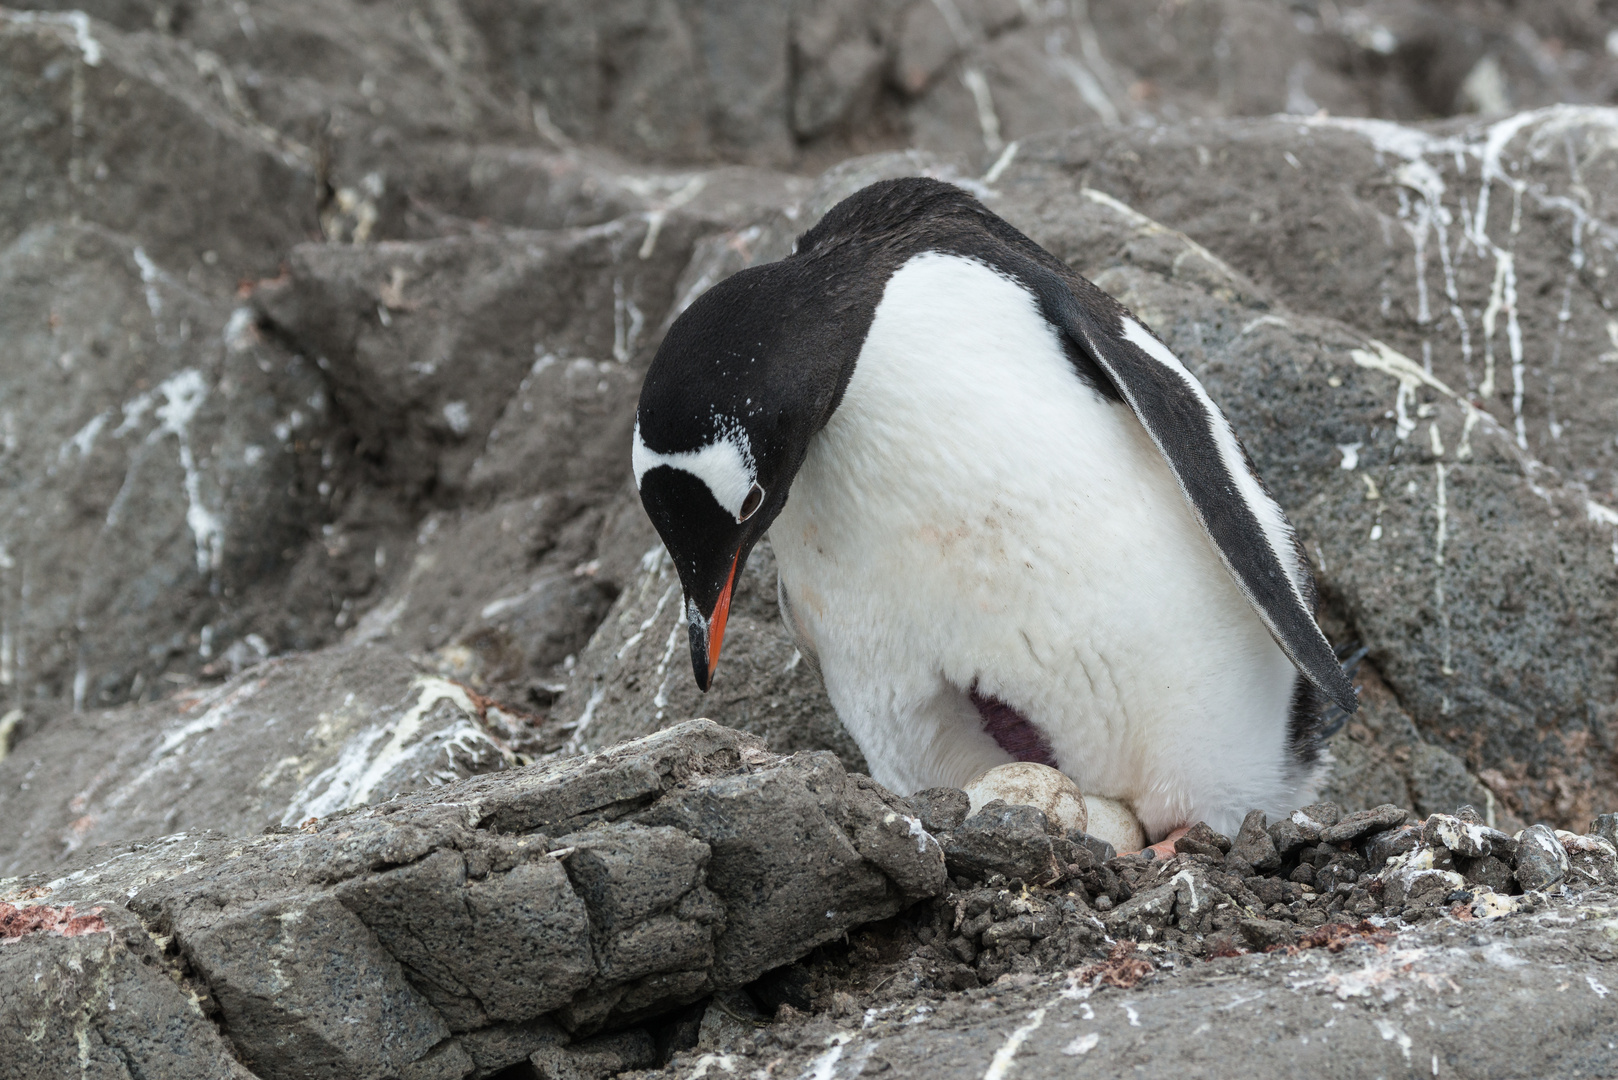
1262, 934
1541, 860
1200, 839
1606, 827
1288, 837
1364, 822
1253, 843
1385, 845
941, 809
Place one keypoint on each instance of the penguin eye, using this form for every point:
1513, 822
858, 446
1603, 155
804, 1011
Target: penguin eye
750, 505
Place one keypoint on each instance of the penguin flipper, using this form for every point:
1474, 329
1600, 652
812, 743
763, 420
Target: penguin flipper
1247, 526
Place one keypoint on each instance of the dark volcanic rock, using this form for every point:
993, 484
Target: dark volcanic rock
635, 675
1364, 822
941, 809
1008, 840
1253, 843
1541, 859
587, 891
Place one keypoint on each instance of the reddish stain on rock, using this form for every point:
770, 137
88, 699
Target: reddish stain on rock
17, 922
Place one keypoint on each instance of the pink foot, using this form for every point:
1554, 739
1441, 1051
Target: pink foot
1164, 848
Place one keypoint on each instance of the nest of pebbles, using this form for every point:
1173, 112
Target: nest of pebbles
1025, 898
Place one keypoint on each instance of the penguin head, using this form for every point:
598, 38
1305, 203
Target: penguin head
751, 371
744, 378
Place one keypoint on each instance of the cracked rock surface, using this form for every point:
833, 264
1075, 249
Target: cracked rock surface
458, 929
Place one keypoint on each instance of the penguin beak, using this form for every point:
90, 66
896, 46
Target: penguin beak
708, 634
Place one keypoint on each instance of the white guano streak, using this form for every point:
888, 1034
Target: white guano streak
184, 393
1002, 1061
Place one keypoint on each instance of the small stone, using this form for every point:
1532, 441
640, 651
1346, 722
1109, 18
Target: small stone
1099, 849
1288, 837
1466, 839
941, 809
1200, 839
1268, 889
1202, 832
1606, 827
1265, 934
1327, 814
1253, 842
1103, 902
1541, 861
1470, 815
1304, 874
1591, 860
1007, 840
1235, 864
1383, 846
1363, 823
1487, 872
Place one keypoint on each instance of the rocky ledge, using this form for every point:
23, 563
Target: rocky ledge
691, 901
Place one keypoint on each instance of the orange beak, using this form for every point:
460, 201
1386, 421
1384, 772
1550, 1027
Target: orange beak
716, 627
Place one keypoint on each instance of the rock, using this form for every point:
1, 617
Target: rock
1364, 822
582, 892
1490, 872
1606, 827
1383, 846
237, 192
1253, 843
999, 839
80, 967
164, 461
1541, 860
634, 676
1026, 783
595, 1059
1322, 816
941, 809
1415, 880
1200, 839
1288, 837
1101, 851
1465, 839
1262, 935
502, 307
288, 740
1591, 859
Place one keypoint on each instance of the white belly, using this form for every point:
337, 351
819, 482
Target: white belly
974, 514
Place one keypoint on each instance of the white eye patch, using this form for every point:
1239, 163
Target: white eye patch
725, 465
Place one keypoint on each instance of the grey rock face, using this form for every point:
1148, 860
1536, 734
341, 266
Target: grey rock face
635, 676
89, 985
285, 741
83, 108
589, 891
162, 462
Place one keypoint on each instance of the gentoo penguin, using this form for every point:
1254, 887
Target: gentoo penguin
1009, 523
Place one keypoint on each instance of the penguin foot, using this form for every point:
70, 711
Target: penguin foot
1164, 848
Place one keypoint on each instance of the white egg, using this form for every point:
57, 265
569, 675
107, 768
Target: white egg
1112, 821
1023, 783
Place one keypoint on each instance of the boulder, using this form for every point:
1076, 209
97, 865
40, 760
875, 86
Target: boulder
584, 893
